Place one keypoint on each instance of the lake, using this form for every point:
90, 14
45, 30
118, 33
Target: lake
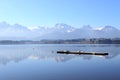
41, 62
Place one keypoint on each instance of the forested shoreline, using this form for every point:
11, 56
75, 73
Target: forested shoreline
66, 41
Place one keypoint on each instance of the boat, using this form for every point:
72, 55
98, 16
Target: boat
82, 52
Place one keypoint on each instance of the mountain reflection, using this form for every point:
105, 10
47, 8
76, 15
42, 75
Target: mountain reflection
19, 53
6, 58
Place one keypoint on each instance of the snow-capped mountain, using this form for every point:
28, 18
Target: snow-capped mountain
110, 32
59, 31
64, 31
15, 31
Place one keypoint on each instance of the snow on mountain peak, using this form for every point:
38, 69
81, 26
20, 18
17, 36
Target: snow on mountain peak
109, 28
33, 28
60, 30
87, 27
62, 25
98, 28
4, 25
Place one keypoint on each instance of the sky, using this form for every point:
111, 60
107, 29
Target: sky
76, 13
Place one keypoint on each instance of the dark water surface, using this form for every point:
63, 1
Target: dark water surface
41, 62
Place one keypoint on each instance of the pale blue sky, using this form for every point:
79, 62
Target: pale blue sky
49, 12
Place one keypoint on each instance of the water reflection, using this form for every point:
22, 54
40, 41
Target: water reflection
17, 53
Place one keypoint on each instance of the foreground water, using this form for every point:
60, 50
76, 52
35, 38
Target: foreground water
41, 62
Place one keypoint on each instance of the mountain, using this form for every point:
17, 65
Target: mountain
109, 32
15, 31
59, 31
67, 32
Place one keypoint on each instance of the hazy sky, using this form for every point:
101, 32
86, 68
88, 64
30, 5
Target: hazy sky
49, 12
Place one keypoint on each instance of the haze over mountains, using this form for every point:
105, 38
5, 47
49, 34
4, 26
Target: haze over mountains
59, 31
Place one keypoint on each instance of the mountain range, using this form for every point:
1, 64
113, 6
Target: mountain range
59, 31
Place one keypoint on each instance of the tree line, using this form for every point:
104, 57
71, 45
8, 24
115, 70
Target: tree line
66, 41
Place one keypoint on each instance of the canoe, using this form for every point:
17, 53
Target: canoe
82, 52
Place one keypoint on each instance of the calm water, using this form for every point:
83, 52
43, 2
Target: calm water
41, 62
